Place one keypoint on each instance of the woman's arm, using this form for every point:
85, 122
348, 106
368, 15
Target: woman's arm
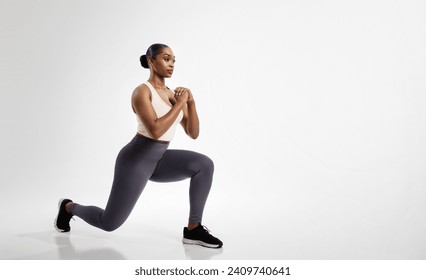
190, 121
142, 106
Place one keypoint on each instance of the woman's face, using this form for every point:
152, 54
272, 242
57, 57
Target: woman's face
163, 63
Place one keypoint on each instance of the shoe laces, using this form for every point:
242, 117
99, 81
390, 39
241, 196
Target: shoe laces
206, 229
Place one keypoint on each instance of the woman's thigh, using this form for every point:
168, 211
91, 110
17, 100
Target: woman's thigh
177, 165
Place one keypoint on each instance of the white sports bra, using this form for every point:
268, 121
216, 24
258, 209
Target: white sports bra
161, 108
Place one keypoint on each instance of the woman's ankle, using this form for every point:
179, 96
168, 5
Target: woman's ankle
68, 207
191, 226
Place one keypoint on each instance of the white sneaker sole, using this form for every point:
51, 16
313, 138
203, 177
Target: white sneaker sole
199, 242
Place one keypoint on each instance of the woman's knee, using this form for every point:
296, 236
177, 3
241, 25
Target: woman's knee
206, 164
112, 225
110, 228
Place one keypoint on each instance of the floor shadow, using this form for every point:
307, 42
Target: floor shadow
66, 247
195, 252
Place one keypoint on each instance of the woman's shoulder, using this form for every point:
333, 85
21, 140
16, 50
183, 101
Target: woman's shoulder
141, 91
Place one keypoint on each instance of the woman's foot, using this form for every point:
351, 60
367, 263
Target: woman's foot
200, 235
62, 221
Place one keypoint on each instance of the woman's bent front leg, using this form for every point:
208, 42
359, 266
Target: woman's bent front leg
177, 165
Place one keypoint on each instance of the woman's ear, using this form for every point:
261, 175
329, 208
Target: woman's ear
150, 60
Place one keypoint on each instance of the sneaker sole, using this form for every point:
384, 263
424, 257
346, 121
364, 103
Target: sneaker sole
56, 219
200, 243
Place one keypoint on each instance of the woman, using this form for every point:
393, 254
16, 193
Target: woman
158, 111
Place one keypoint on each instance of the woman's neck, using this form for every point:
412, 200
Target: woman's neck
157, 82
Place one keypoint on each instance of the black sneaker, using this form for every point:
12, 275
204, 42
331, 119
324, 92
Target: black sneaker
62, 221
200, 236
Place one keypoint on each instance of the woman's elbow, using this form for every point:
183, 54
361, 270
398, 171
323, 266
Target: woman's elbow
193, 135
155, 134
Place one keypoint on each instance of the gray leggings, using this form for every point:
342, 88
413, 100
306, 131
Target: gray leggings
146, 159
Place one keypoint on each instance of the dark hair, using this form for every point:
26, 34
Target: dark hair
152, 51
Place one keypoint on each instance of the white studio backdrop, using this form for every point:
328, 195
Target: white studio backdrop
313, 112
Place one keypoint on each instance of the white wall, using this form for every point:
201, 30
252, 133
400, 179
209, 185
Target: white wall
313, 112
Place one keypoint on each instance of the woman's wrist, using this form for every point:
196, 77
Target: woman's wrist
191, 103
181, 102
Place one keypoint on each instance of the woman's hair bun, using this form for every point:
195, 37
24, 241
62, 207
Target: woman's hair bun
144, 61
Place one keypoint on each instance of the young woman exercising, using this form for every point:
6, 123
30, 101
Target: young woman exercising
147, 157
